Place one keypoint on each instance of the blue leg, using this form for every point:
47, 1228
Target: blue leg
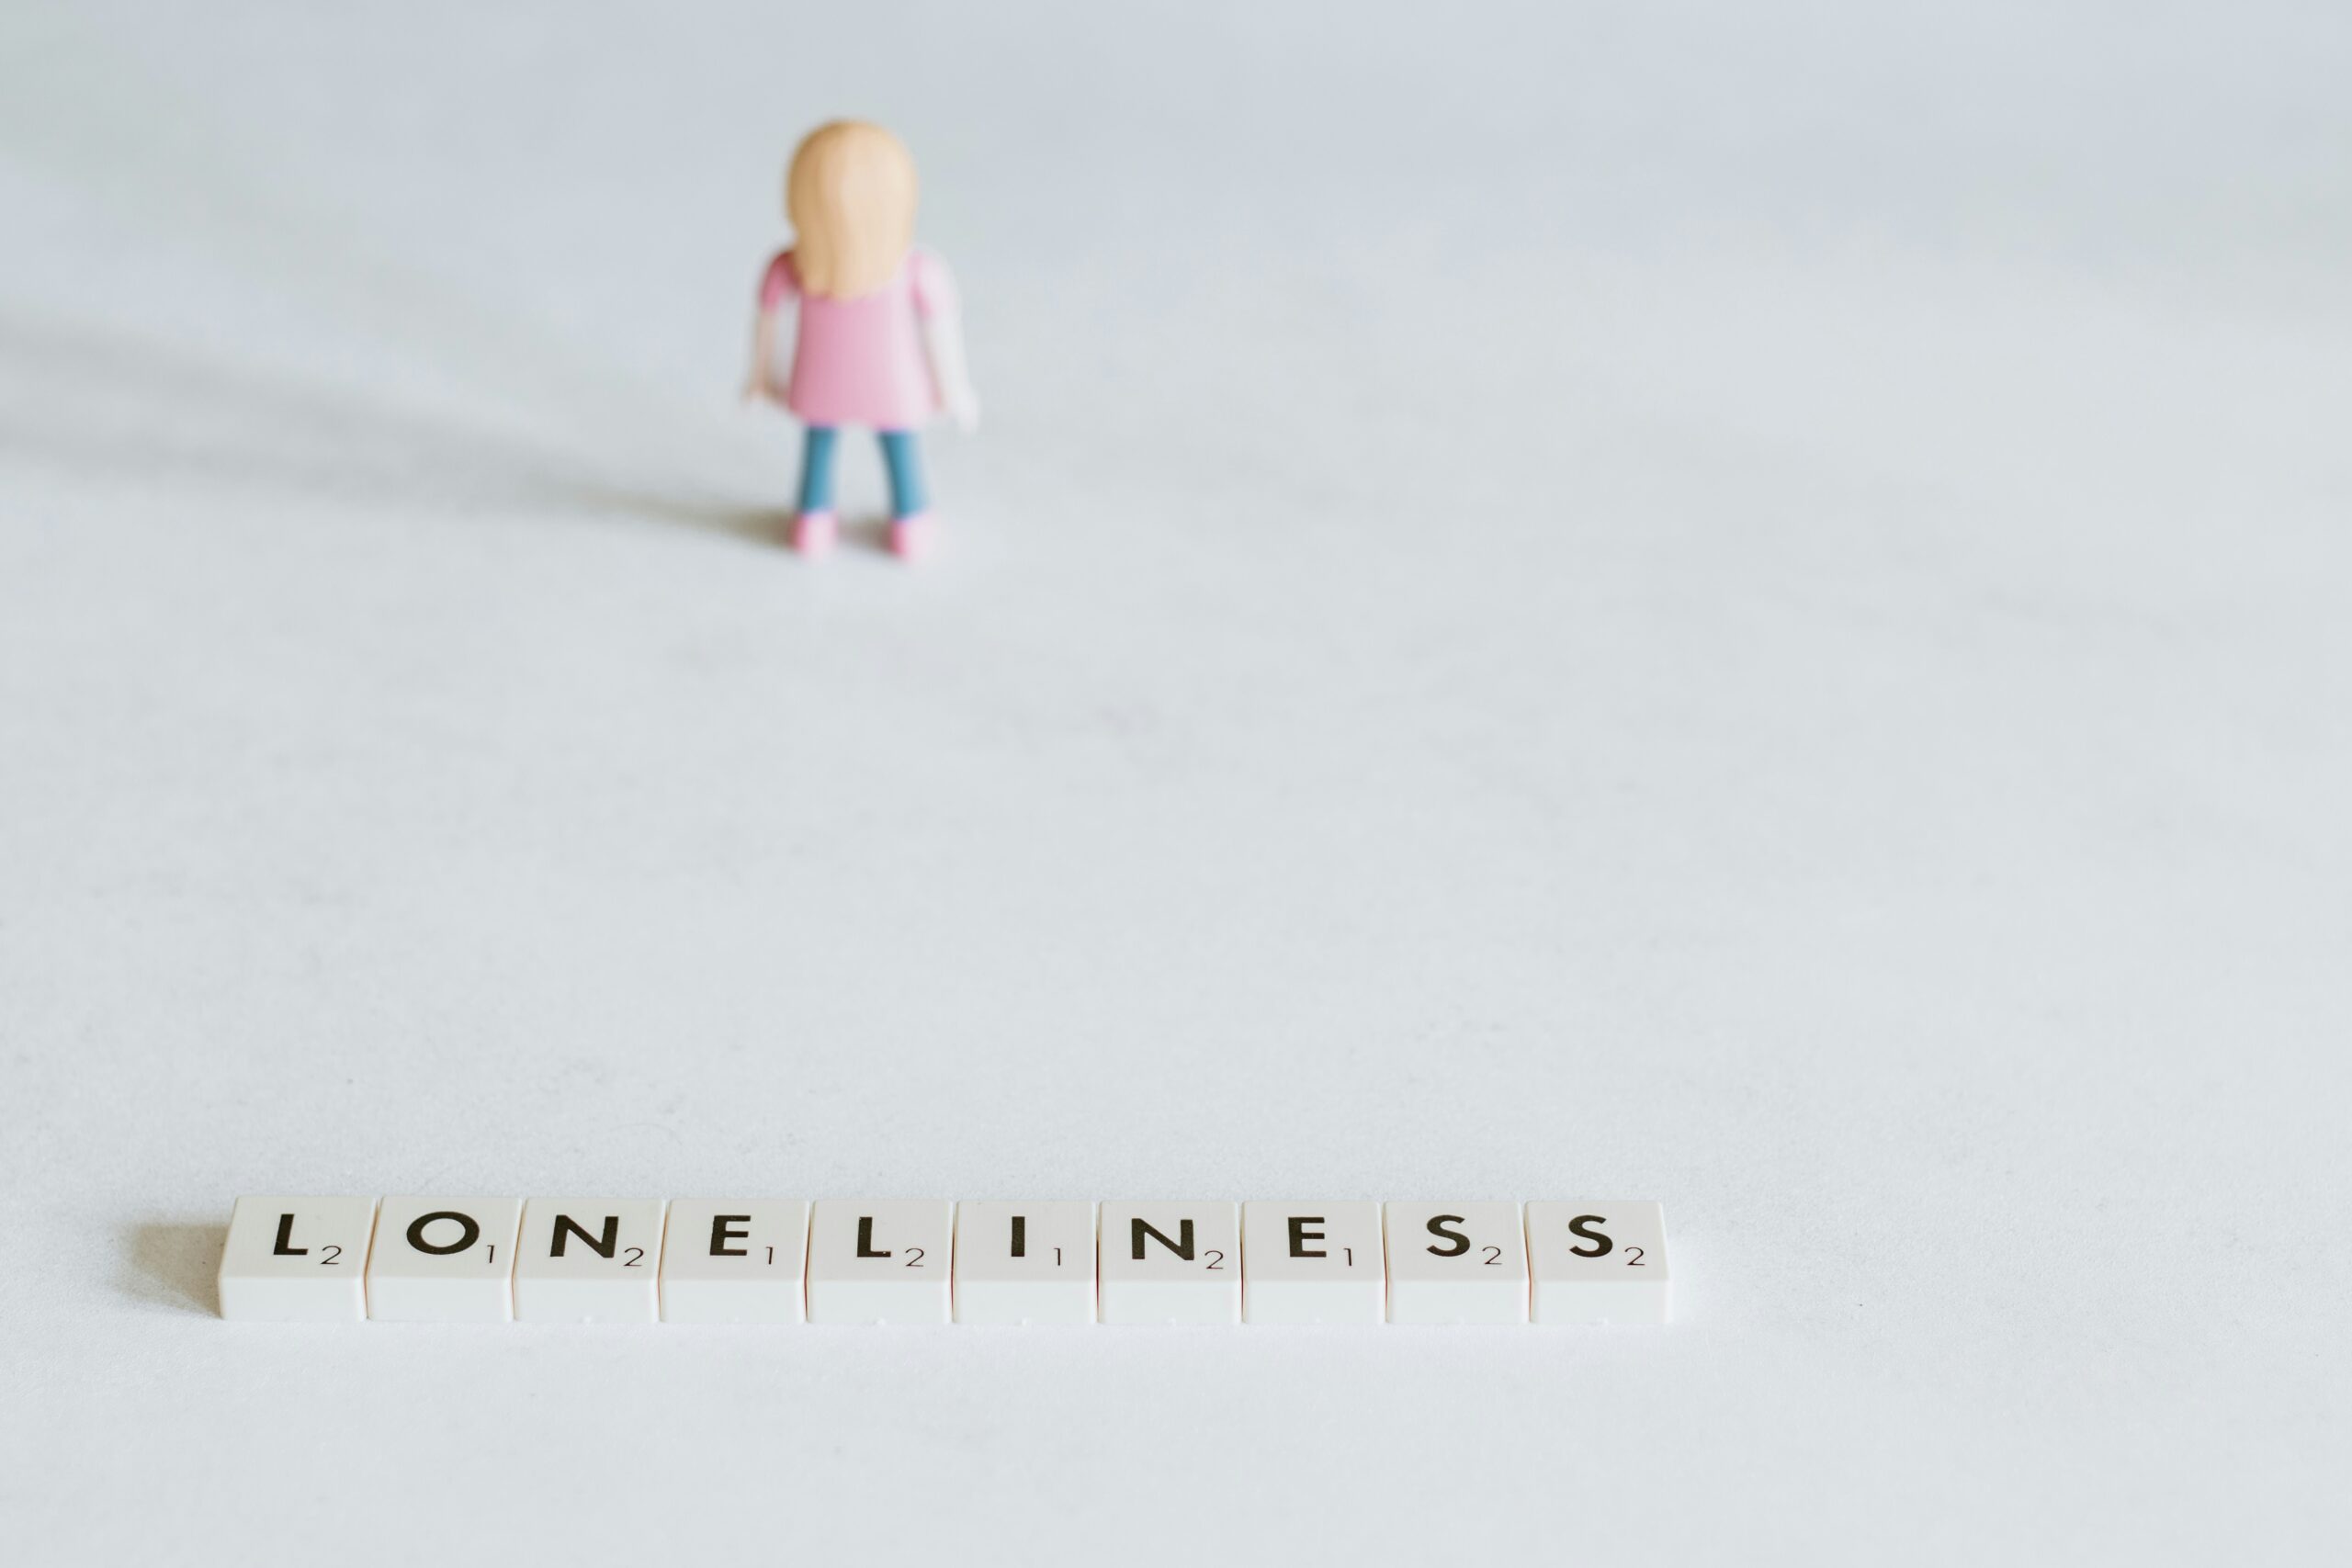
817, 469
900, 455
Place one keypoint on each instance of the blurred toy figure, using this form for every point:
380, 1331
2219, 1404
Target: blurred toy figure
880, 341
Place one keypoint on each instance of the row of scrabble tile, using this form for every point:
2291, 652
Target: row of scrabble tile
925, 1260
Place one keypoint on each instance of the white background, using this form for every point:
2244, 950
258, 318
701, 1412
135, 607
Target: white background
1742, 604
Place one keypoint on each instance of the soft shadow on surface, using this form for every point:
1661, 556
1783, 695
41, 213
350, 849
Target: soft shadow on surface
174, 1266
93, 400
867, 533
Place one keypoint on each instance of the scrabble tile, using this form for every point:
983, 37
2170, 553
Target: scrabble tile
1171, 1262
1311, 1263
444, 1260
1020, 1262
297, 1259
588, 1261
880, 1260
734, 1261
1596, 1261
1456, 1263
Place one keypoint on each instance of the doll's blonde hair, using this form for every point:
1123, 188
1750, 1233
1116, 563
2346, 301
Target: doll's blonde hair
851, 196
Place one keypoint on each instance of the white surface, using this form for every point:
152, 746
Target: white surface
1457, 1262
417, 1272
1596, 1260
1171, 1261
735, 1260
1332, 1272
296, 1259
881, 1261
1051, 1282
588, 1261
1741, 603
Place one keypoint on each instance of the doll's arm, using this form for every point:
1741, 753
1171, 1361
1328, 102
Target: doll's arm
755, 384
942, 342
779, 285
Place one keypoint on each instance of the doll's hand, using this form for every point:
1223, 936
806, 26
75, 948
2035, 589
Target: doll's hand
964, 407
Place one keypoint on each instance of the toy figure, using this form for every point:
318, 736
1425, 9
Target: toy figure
879, 341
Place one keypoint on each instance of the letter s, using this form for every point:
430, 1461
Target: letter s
1576, 1227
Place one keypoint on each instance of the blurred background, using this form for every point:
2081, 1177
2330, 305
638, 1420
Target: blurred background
1743, 605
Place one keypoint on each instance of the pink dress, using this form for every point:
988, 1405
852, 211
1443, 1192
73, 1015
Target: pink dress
861, 361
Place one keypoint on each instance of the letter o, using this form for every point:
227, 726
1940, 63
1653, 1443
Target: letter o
466, 1238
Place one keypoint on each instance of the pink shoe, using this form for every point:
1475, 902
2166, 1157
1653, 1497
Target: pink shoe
911, 536
813, 533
